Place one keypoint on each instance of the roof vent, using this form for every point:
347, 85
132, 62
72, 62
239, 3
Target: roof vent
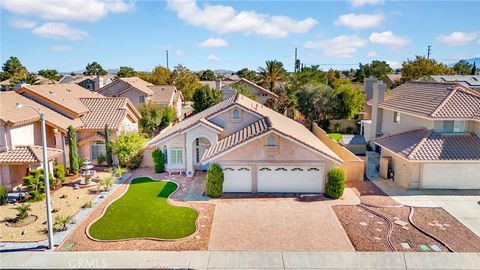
51, 92
68, 90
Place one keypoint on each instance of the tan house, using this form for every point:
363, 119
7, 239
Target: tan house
139, 92
259, 149
428, 134
89, 82
64, 105
227, 88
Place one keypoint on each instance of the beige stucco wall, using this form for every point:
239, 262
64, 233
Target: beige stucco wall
177, 141
12, 176
22, 135
353, 166
407, 123
230, 125
473, 126
112, 89
133, 95
406, 174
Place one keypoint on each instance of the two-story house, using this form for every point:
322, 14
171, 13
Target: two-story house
227, 88
259, 149
89, 82
429, 134
140, 92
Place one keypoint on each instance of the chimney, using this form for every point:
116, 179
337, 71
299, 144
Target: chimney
98, 82
218, 84
368, 87
378, 95
20, 85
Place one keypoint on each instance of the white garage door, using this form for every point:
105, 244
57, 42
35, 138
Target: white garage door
237, 179
451, 176
291, 179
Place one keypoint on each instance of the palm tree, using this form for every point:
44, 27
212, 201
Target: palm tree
23, 211
61, 222
26, 78
272, 73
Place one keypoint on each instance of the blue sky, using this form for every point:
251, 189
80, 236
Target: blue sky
68, 34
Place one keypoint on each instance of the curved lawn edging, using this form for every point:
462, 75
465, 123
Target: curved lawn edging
168, 201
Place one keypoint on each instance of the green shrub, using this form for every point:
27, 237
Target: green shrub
36, 196
3, 195
135, 161
335, 184
61, 222
81, 162
119, 171
101, 159
59, 172
158, 160
23, 211
88, 204
214, 181
128, 147
106, 182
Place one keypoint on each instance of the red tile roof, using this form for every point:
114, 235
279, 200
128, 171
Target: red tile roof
106, 110
27, 154
426, 145
164, 94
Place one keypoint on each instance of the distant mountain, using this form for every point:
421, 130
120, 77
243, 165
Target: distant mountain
470, 60
223, 71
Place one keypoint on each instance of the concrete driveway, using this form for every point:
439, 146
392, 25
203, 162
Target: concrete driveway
279, 224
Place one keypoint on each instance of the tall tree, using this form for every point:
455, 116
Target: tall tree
159, 76
463, 67
155, 117
206, 75
108, 146
332, 76
377, 69
51, 74
72, 150
314, 101
205, 97
248, 74
124, 72
244, 90
272, 73
306, 76
421, 66
348, 101
185, 80
94, 68
13, 67
25, 78
474, 69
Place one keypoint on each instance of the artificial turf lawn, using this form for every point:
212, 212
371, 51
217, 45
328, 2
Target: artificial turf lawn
335, 136
144, 212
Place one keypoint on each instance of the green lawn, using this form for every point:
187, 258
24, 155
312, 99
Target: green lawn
335, 136
144, 212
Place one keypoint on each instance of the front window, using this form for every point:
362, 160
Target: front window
453, 126
396, 117
141, 99
97, 149
176, 156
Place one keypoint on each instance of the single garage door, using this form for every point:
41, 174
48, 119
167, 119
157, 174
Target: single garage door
291, 179
451, 176
237, 179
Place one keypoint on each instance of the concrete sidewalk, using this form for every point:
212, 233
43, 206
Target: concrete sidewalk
238, 260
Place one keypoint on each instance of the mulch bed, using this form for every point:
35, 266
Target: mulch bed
369, 232
197, 241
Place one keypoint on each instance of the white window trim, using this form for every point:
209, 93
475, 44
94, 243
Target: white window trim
396, 117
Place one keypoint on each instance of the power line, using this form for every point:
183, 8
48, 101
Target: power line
166, 54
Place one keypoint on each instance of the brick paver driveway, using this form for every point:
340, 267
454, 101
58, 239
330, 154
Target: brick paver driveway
279, 224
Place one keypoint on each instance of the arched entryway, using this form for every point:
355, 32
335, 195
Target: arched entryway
200, 145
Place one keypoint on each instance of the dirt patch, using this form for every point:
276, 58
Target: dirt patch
368, 232
78, 240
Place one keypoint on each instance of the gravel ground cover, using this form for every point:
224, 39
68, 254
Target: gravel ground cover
369, 232
79, 240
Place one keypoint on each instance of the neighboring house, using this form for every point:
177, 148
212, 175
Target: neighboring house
92, 110
6, 85
471, 81
89, 82
20, 138
259, 149
139, 92
391, 79
429, 133
228, 90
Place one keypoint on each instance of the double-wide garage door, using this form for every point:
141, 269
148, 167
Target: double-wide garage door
451, 176
289, 179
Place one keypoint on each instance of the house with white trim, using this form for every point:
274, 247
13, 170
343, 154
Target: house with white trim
428, 134
259, 149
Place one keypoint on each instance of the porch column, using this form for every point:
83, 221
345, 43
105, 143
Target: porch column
189, 159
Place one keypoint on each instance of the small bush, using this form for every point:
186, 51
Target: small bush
101, 159
3, 195
88, 204
59, 172
336, 183
325, 125
337, 128
158, 160
106, 182
36, 196
135, 161
214, 181
119, 171
61, 222
23, 211
81, 162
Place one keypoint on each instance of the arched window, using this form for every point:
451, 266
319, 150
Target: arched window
271, 141
165, 154
236, 114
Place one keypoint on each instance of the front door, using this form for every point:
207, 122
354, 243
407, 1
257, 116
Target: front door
201, 145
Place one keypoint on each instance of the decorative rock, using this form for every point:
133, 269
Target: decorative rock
363, 223
380, 222
396, 218
435, 248
405, 245
78, 197
405, 228
377, 238
359, 210
197, 237
378, 229
400, 222
431, 224
446, 225
370, 216
442, 228
24, 232
438, 225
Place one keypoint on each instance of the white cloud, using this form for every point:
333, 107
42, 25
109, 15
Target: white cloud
395, 64
389, 39
178, 53
359, 3
372, 54
21, 23
67, 10
59, 31
339, 47
213, 57
60, 48
360, 21
457, 38
213, 43
225, 19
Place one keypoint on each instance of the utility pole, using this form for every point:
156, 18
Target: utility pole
295, 68
166, 53
429, 50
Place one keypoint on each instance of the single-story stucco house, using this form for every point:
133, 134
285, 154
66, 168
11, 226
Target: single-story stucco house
259, 149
